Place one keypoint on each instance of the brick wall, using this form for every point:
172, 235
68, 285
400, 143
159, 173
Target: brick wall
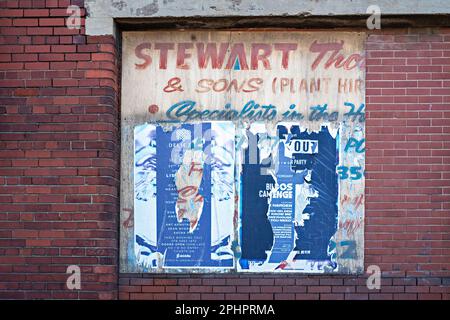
59, 170
58, 154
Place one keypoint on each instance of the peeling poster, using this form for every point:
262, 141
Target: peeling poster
242, 151
184, 195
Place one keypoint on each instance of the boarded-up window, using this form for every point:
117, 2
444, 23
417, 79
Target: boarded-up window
242, 151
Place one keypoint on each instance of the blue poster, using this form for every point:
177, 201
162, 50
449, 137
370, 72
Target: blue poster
289, 206
184, 195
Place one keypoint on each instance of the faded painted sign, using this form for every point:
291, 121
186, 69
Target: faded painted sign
290, 201
242, 151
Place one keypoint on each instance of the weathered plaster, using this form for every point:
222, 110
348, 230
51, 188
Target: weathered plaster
101, 13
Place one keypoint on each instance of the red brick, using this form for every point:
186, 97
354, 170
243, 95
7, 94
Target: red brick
223, 289
11, 13
164, 296
307, 296
284, 296
38, 243
141, 296
77, 56
236, 296
212, 296
36, 12
153, 289
331, 296
51, 22
319, 289
356, 296
25, 22
39, 31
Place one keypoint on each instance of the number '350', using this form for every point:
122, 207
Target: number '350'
354, 173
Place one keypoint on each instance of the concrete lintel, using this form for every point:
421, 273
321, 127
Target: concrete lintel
101, 13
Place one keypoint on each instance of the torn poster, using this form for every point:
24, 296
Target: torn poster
184, 195
289, 208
